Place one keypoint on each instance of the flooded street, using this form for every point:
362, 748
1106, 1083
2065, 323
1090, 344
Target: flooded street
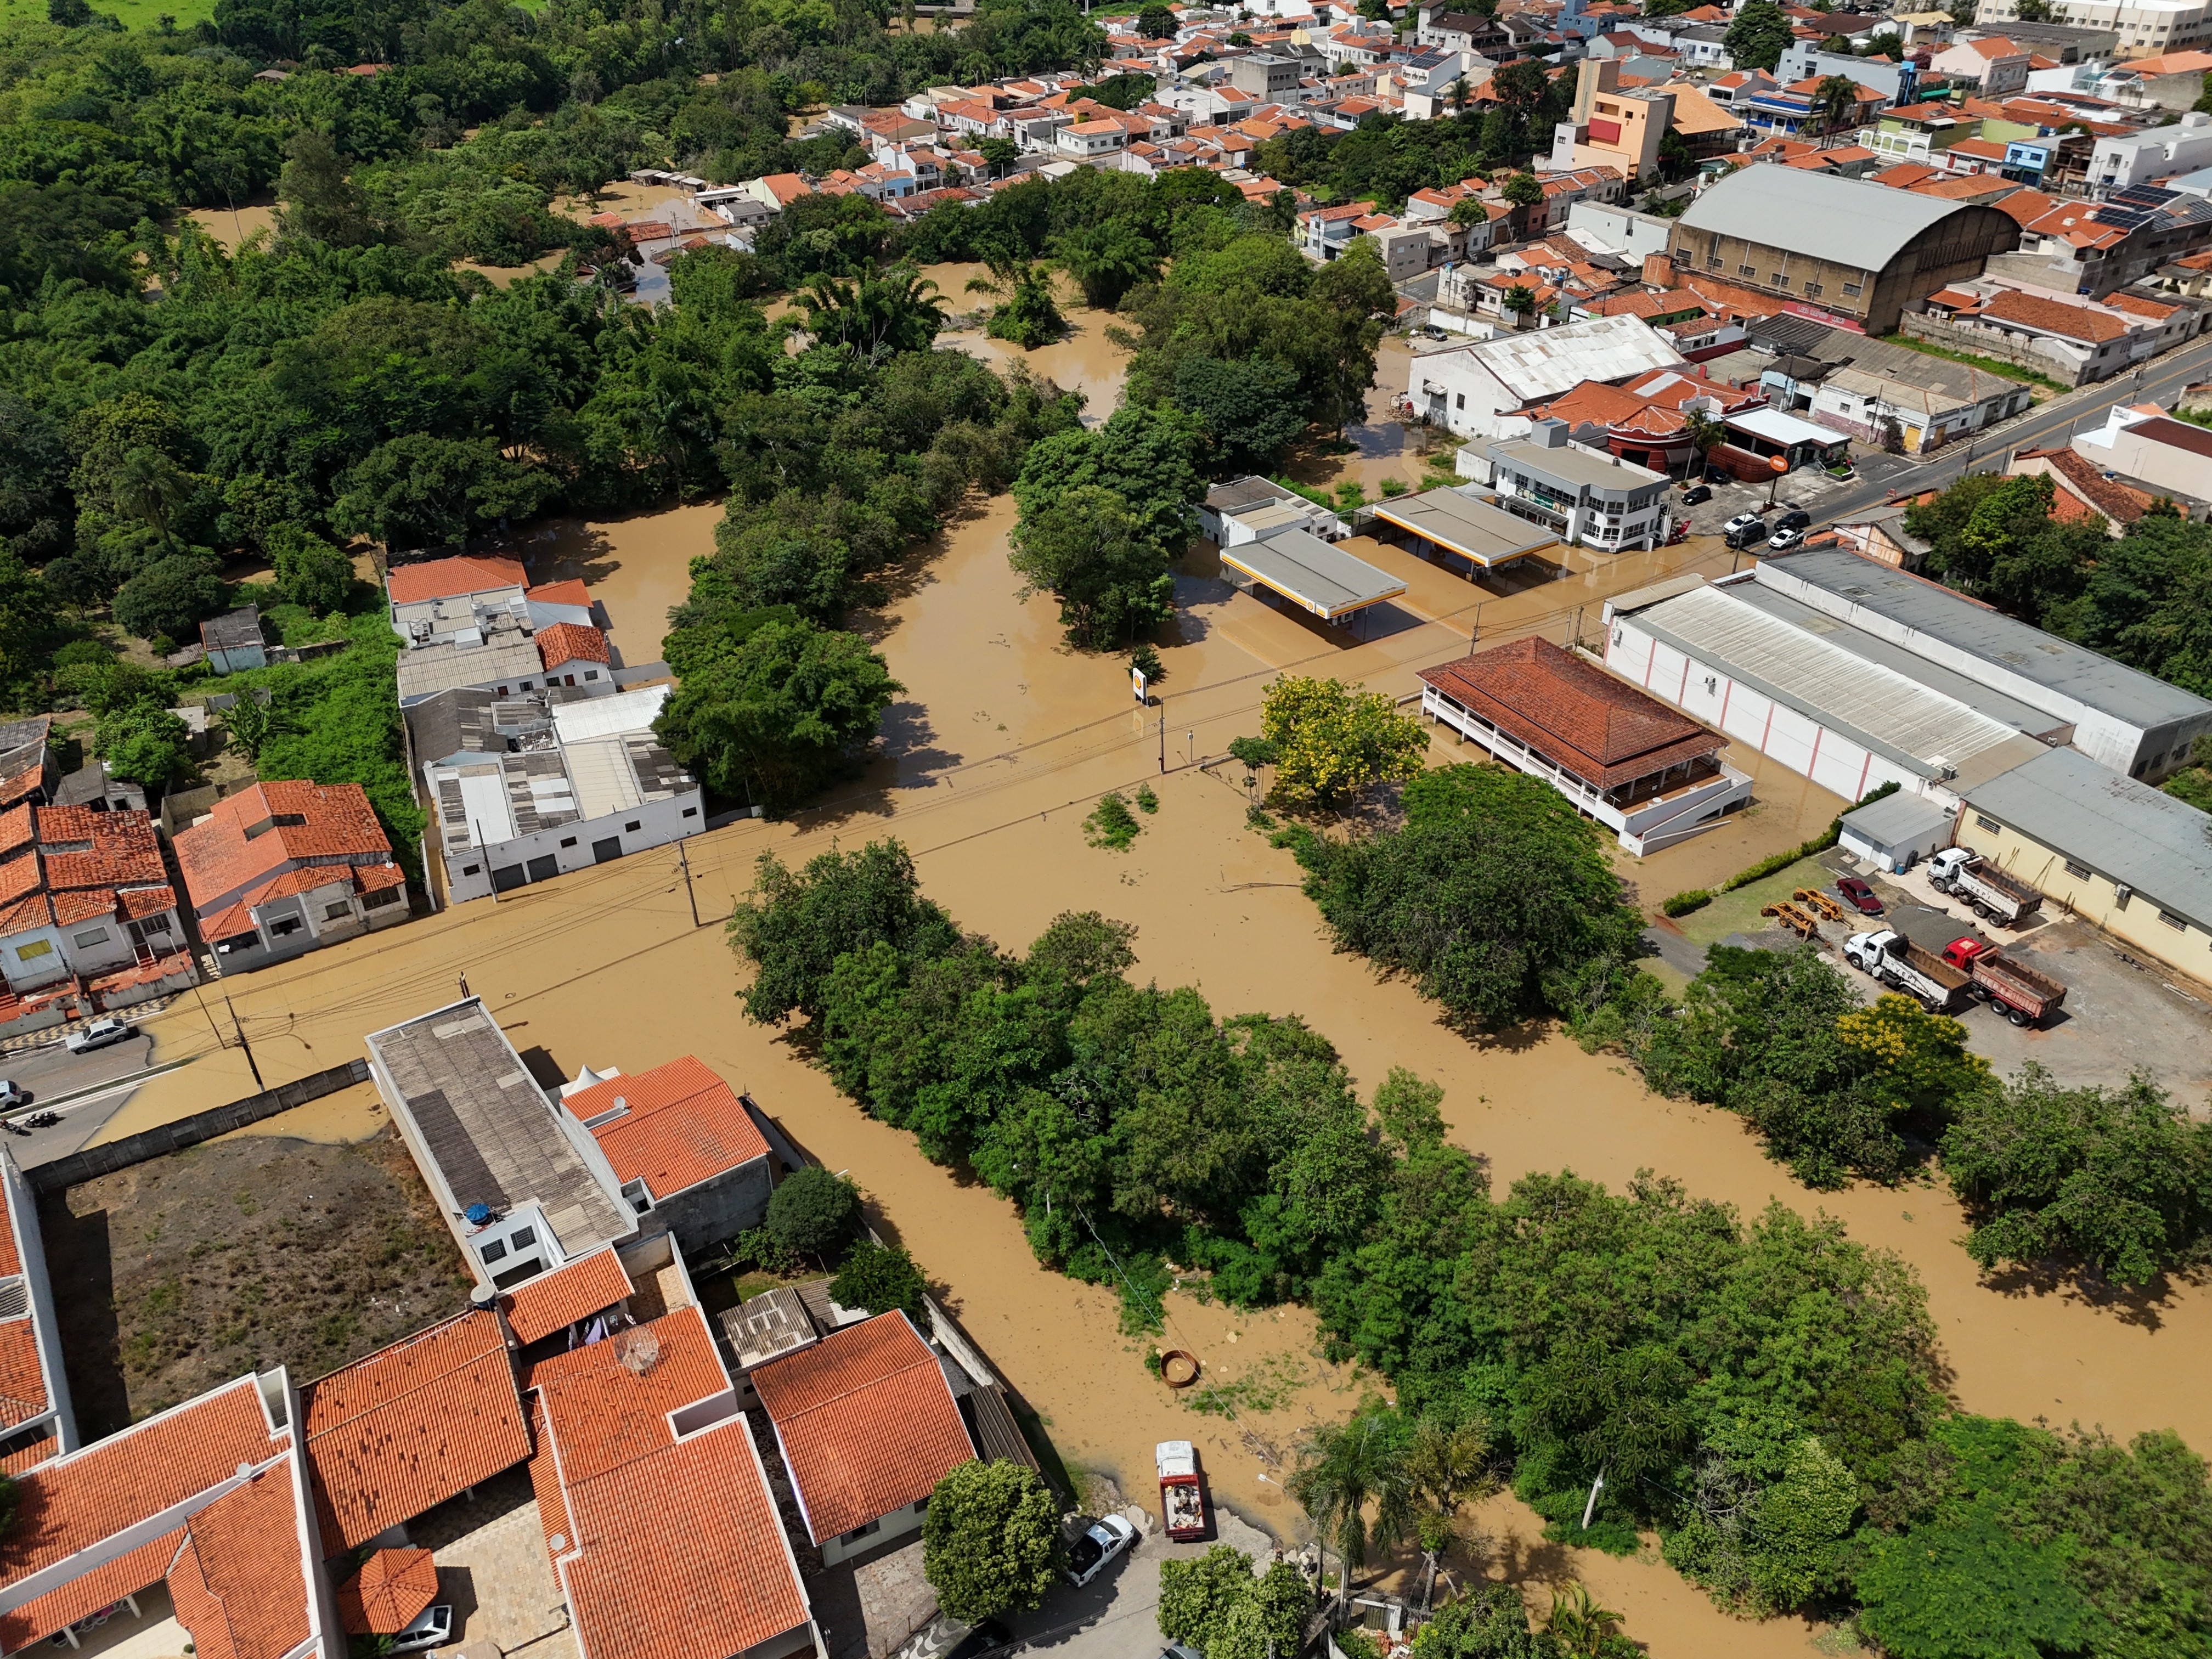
1003, 739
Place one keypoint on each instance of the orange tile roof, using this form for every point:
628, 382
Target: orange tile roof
240, 1586
866, 1420
568, 642
389, 1593
102, 1586
221, 866
545, 1485
2137, 304
2052, 316
410, 1426
567, 592
106, 849
445, 579
680, 1125
15, 831
22, 1380
591, 1284
72, 1503
603, 1416
682, 1557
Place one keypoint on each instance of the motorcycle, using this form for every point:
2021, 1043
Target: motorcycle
43, 1119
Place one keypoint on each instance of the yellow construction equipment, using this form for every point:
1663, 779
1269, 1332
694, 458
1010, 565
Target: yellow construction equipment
1798, 921
1819, 903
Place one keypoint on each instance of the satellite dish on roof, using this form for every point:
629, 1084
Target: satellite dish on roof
637, 1350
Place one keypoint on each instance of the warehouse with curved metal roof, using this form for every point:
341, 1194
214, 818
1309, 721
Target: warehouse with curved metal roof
1842, 251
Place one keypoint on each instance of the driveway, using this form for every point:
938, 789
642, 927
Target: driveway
1113, 1616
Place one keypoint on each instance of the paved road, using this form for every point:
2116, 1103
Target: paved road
53, 1074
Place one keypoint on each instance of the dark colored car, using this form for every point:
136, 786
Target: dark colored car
1696, 496
1795, 521
1750, 536
983, 1639
1859, 896
1714, 475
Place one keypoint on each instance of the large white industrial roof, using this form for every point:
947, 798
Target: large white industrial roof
610, 717
1550, 361
1846, 221
1876, 706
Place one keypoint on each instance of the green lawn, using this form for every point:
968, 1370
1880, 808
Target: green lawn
1738, 912
134, 13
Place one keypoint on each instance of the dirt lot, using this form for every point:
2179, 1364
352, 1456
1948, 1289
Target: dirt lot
178, 1274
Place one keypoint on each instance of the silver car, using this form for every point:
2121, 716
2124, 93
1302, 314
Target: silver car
1098, 1544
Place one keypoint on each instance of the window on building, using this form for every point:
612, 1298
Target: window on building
1747, 270
1782, 279
1851, 290
338, 912
567, 840
1812, 288
89, 938
471, 869
632, 827
690, 812
35, 949
1988, 824
283, 929
859, 1532
2079, 871
378, 899
1458, 400
2173, 921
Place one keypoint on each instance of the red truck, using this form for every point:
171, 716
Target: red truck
2008, 985
1183, 1503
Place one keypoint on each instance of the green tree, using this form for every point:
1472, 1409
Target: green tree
1107, 260
782, 715
1494, 898
1970, 1590
424, 491
320, 203
1801, 1526
149, 487
792, 926
1835, 102
875, 316
881, 1278
1092, 551
813, 1212
2119, 1179
990, 1541
170, 599
1577, 1620
1026, 313
1758, 36
1447, 1466
310, 572
1345, 1468
248, 722
1253, 410
145, 744
1490, 1622
1154, 22
1198, 1594
1333, 741
1522, 190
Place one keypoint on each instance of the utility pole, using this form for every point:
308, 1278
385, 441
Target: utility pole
465, 985
1163, 736
685, 858
244, 1044
212, 1026
485, 851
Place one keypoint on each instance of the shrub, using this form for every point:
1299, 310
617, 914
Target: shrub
172, 597
1110, 823
880, 1277
814, 1212
1682, 904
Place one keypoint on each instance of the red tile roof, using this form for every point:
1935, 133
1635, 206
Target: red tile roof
866, 1422
567, 592
410, 1426
2083, 487
389, 1593
445, 579
104, 849
1603, 730
133, 1571
591, 1284
680, 1125
238, 1583
545, 1485
683, 1558
570, 643
604, 1415
2052, 316
74, 1504
222, 867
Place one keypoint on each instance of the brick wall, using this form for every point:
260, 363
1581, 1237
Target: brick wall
1919, 326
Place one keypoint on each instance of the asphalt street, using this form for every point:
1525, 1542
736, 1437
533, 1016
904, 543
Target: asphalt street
87, 1090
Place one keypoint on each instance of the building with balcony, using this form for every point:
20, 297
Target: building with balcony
1581, 497
1647, 772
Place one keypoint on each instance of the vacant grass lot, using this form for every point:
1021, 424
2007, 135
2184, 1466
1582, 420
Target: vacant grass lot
240, 1255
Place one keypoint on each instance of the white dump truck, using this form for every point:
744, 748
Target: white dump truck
1994, 895
1899, 963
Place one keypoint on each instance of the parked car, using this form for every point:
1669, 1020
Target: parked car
1783, 540
1741, 522
432, 1630
984, 1636
1714, 475
1696, 495
98, 1034
1750, 536
1096, 1545
1859, 896
1795, 518
12, 1094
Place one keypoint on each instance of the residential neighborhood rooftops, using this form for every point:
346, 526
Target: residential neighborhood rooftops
671, 1127
410, 1425
1603, 730
447, 579
866, 1420
249, 838
575, 1291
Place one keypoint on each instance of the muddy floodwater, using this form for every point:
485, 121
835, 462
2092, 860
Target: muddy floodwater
999, 746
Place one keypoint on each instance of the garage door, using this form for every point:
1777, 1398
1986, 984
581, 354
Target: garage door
609, 848
545, 868
506, 877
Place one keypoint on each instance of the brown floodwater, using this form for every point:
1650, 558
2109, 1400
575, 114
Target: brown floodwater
231, 226
1001, 742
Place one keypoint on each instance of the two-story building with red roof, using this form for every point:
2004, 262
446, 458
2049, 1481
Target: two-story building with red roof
283, 868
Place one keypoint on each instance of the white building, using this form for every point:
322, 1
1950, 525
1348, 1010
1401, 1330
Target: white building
2139, 158
585, 783
1585, 496
1464, 388
2145, 26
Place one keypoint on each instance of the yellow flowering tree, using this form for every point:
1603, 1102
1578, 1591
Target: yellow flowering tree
1919, 1059
1332, 740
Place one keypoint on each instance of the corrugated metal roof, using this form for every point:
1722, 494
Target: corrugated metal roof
1838, 582
1300, 566
1817, 216
1549, 360
2126, 831
1895, 819
1873, 704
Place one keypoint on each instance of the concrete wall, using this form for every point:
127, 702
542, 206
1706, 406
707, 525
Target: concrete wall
2090, 893
660, 823
31, 1250
2068, 367
905, 1519
713, 1210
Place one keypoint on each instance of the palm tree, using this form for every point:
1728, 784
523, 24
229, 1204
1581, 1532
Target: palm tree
1107, 260
149, 487
877, 315
1446, 1468
1577, 1620
1705, 433
1835, 100
1026, 314
1346, 1466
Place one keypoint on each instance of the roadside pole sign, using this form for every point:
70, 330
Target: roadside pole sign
1137, 682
